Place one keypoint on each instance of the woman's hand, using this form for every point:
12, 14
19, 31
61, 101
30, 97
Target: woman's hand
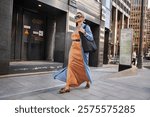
82, 30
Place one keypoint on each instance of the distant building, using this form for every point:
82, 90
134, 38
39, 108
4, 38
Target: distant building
148, 28
135, 23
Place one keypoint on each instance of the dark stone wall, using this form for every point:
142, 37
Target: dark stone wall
6, 8
60, 38
50, 43
106, 47
16, 40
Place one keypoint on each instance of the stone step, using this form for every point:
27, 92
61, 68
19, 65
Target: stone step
27, 67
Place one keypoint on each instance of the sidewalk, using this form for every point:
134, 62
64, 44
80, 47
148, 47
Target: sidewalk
107, 84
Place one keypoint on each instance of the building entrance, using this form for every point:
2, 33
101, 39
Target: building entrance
38, 32
93, 58
33, 36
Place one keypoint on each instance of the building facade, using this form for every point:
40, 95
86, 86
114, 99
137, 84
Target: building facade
120, 20
148, 28
135, 23
41, 30
106, 17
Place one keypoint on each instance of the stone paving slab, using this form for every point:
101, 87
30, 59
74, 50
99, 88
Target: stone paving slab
25, 84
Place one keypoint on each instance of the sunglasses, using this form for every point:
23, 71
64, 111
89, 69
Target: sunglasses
78, 16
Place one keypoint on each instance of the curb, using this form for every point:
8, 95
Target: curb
25, 74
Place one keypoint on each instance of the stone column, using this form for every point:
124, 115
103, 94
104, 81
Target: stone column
106, 46
127, 22
72, 10
114, 29
51, 39
6, 9
122, 21
101, 43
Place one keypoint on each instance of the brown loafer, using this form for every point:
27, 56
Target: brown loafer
63, 90
87, 86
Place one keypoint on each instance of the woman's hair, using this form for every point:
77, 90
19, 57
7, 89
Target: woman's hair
81, 15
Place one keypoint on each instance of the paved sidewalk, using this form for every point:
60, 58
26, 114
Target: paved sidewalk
107, 84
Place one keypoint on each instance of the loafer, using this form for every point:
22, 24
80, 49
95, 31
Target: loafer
63, 90
87, 86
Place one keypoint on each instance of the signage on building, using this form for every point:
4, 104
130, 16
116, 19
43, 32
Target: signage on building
40, 33
73, 3
35, 32
27, 27
126, 46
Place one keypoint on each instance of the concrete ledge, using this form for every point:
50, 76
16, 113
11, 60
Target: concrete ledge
4, 67
25, 74
129, 72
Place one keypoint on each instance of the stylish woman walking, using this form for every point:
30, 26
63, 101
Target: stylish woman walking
77, 70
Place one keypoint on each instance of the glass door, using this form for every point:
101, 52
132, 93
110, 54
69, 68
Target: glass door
33, 45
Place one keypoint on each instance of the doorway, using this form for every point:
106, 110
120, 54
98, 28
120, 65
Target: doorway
106, 47
33, 45
38, 33
93, 57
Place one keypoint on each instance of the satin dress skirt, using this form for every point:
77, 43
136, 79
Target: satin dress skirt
77, 70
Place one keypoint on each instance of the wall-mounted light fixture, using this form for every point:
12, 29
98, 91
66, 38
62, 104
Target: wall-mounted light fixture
39, 5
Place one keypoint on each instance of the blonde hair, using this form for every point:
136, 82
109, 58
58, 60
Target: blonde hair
82, 14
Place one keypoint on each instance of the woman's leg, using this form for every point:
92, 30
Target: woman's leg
133, 61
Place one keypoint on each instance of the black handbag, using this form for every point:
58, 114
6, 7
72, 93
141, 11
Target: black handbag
87, 45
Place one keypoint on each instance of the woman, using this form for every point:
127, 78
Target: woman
77, 71
134, 57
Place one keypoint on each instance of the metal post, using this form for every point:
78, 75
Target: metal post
140, 51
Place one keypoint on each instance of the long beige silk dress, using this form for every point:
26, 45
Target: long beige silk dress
76, 73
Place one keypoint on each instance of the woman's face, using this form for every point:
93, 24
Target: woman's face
79, 18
